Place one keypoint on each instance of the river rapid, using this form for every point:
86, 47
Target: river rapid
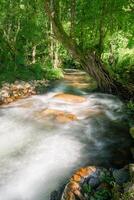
38, 153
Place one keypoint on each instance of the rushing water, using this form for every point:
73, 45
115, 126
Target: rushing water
37, 155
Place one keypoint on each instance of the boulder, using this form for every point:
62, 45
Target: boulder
70, 98
132, 131
59, 116
88, 183
131, 170
121, 176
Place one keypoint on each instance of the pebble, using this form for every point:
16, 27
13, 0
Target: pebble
19, 89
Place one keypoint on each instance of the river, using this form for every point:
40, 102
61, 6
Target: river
39, 150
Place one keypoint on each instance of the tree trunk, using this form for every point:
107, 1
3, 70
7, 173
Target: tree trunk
34, 54
57, 61
72, 17
90, 62
101, 27
53, 44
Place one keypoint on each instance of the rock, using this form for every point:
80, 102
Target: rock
66, 117
94, 178
60, 116
86, 183
9, 100
6, 88
129, 186
72, 190
94, 181
19, 87
132, 151
33, 92
131, 170
5, 101
16, 82
17, 90
27, 85
1, 100
83, 173
132, 131
121, 176
5, 93
90, 113
70, 98
14, 88
6, 85
25, 91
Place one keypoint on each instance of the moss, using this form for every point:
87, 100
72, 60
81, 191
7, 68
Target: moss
132, 131
127, 196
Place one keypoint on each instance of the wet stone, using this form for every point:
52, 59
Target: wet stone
70, 98
121, 176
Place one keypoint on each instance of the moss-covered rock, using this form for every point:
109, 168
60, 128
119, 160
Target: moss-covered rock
132, 131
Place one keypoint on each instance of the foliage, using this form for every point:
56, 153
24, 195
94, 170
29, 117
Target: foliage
24, 28
106, 177
130, 106
87, 188
130, 112
53, 73
102, 194
119, 55
27, 73
105, 27
127, 196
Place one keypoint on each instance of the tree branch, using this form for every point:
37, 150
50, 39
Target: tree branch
60, 33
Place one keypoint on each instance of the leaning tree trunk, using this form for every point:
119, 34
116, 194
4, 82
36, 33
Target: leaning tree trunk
91, 63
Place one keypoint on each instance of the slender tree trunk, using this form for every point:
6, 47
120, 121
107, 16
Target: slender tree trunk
34, 54
101, 27
91, 63
54, 55
53, 44
72, 17
57, 61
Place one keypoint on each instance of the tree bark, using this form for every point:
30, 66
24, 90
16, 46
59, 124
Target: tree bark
72, 17
53, 44
101, 28
90, 62
34, 54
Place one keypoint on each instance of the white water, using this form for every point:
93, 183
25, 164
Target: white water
37, 156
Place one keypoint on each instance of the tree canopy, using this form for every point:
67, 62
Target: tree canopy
41, 37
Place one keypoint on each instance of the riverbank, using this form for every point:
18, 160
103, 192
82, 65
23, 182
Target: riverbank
97, 183
21, 89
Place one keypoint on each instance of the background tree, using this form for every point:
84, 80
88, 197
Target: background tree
96, 27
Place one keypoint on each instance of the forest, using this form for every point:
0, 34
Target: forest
60, 59
40, 40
